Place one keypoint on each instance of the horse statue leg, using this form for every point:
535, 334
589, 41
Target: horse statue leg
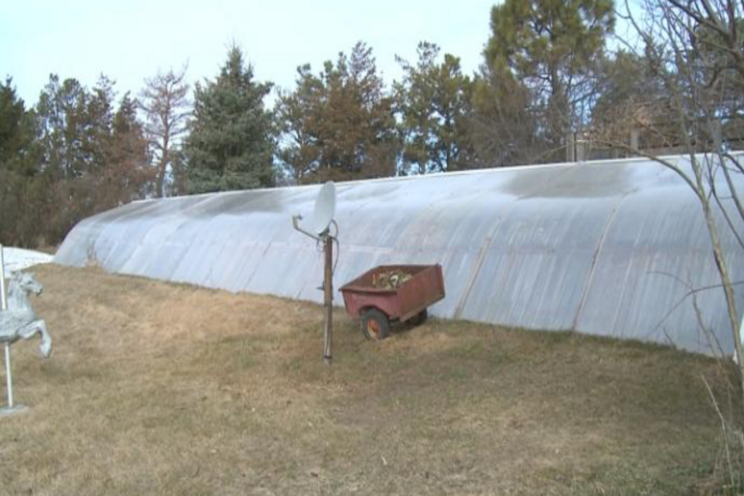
38, 326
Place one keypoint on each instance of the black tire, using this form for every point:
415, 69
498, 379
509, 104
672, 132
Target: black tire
420, 318
375, 325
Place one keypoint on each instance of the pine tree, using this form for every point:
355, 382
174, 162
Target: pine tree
127, 174
434, 101
91, 156
296, 113
551, 46
232, 140
341, 123
504, 125
18, 180
62, 122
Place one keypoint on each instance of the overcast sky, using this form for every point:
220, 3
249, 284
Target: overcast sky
129, 41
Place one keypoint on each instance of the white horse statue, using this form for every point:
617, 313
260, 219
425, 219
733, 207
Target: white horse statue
19, 320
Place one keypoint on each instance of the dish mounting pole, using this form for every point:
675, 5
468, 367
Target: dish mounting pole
327, 241
328, 299
323, 213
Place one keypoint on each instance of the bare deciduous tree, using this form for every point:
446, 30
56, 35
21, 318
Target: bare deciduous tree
167, 108
696, 53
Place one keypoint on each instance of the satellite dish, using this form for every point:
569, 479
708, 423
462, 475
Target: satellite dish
325, 208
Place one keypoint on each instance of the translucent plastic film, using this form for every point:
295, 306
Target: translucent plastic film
617, 248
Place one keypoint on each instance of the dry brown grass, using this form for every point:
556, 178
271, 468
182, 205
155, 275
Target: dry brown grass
157, 388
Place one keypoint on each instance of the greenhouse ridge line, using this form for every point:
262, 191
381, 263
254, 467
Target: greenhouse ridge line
487, 170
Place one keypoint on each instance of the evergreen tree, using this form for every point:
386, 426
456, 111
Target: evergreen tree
340, 124
91, 156
504, 122
19, 198
232, 140
296, 113
633, 101
434, 101
62, 124
355, 122
552, 46
127, 174
16, 132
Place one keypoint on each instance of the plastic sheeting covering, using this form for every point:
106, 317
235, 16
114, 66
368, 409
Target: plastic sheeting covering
16, 259
608, 248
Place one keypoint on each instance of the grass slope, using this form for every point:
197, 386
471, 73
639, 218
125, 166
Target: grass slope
166, 389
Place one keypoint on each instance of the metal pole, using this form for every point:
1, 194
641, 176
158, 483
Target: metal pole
741, 334
328, 299
8, 377
3, 299
570, 147
4, 302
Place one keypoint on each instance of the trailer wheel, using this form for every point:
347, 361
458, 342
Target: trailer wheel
375, 325
420, 318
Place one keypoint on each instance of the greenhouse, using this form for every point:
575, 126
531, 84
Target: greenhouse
611, 248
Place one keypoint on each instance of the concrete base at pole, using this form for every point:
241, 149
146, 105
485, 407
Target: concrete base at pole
12, 410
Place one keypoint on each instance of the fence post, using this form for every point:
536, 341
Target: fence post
570, 147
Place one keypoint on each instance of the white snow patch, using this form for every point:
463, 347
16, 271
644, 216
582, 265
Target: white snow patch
18, 259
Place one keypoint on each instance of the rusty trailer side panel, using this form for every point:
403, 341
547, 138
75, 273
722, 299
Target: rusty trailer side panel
423, 289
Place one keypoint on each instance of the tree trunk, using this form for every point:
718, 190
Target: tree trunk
723, 271
162, 167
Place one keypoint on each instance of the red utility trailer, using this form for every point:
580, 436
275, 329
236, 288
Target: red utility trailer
378, 307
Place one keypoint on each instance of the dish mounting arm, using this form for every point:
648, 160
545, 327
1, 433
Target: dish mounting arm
296, 224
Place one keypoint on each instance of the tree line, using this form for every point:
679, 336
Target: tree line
547, 75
